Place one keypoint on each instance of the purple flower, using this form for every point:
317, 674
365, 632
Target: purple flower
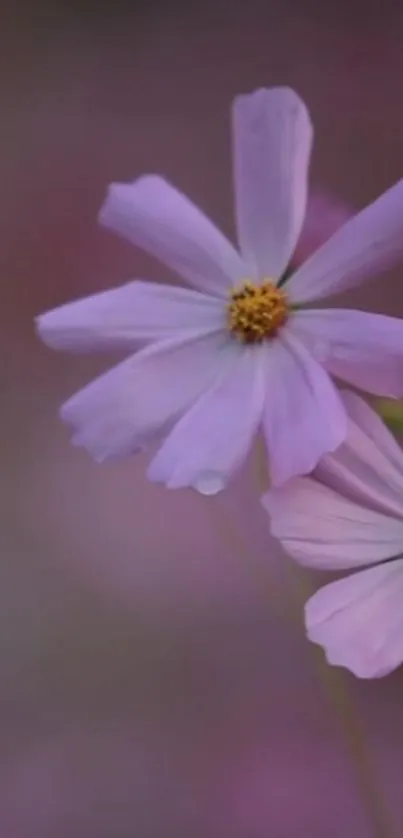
350, 514
241, 352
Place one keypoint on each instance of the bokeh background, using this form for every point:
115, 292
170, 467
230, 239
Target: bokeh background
155, 681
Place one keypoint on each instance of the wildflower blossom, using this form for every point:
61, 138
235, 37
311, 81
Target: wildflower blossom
241, 351
349, 515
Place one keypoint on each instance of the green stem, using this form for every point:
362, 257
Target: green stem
336, 688
332, 679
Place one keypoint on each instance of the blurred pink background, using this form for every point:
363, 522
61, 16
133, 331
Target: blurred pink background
155, 678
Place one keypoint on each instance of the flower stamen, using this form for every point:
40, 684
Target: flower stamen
256, 312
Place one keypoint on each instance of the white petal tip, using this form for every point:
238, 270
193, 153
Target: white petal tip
265, 94
41, 325
360, 667
46, 331
119, 196
359, 658
209, 483
114, 195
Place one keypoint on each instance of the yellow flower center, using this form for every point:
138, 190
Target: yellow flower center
256, 311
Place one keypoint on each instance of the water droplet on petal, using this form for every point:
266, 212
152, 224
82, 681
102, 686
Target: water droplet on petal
209, 483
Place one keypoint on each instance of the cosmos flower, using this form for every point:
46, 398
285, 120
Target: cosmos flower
348, 515
240, 352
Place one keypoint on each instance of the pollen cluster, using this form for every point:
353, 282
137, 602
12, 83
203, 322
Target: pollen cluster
256, 312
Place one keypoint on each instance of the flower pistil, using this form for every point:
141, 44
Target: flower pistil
256, 312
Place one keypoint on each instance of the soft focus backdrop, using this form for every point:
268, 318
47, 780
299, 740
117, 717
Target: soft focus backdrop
155, 679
